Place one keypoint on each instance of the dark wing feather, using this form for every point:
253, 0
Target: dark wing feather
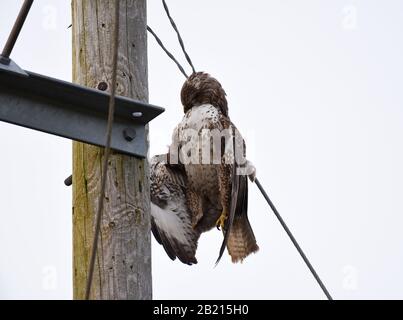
171, 220
163, 240
238, 234
234, 205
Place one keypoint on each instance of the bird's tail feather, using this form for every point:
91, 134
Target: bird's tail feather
241, 239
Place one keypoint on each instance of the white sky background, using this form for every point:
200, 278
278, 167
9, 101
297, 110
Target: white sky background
315, 87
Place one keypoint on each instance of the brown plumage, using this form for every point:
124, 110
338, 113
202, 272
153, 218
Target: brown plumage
200, 88
215, 195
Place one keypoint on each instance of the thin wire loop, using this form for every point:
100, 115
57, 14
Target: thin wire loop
170, 55
179, 36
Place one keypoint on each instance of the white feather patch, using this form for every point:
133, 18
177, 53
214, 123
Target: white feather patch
201, 116
169, 222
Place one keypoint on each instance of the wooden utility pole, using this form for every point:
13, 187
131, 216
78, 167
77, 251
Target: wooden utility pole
123, 267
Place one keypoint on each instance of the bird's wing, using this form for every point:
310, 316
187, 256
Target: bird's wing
171, 220
237, 227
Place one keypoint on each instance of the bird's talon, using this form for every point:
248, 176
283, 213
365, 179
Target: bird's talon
221, 221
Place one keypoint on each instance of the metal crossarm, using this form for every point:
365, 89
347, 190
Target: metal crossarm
68, 110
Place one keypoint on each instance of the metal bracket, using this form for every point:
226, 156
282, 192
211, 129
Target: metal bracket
68, 110
8, 65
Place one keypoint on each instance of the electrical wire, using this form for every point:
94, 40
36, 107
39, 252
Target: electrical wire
170, 55
179, 36
294, 241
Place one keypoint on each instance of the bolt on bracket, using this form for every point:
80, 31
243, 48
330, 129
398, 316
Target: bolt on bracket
72, 111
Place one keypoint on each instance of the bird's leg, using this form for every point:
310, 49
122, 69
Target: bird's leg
221, 220
224, 184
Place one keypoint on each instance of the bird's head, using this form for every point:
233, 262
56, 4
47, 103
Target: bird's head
201, 88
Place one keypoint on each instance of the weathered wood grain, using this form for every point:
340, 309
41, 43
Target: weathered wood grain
123, 268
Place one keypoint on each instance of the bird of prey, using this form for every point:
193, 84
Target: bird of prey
198, 185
